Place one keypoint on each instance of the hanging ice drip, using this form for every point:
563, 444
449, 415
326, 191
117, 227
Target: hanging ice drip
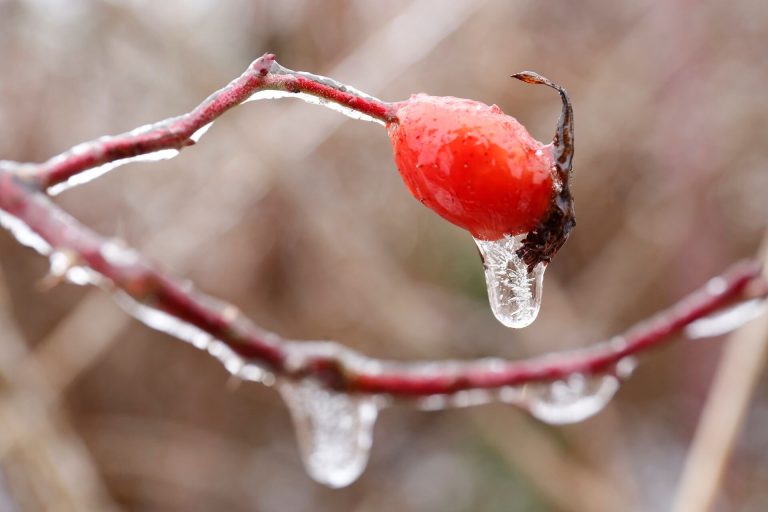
514, 292
514, 265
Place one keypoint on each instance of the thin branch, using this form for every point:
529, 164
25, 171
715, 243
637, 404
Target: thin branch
724, 413
177, 132
125, 270
173, 305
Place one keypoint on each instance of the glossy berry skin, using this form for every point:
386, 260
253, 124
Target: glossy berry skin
473, 165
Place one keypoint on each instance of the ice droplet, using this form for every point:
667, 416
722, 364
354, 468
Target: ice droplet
571, 400
334, 430
725, 321
91, 174
513, 292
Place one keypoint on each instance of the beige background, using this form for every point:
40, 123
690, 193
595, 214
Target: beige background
298, 215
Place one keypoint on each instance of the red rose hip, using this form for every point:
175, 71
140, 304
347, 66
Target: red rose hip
481, 170
473, 165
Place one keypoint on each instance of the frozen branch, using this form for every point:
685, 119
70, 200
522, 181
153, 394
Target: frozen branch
124, 270
558, 388
173, 134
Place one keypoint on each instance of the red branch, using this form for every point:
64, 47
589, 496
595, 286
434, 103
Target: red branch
263, 74
123, 270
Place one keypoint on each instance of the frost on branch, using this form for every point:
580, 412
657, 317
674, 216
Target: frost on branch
334, 394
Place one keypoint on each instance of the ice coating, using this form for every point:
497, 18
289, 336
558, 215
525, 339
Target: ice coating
195, 137
166, 154
730, 319
514, 293
63, 265
91, 174
314, 100
568, 400
23, 234
334, 430
163, 322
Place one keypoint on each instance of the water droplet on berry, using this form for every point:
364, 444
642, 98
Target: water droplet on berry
513, 292
334, 430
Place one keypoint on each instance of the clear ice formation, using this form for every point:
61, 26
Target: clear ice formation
23, 234
727, 320
559, 402
166, 154
334, 430
513, 292
95, 172
270, 94
570, 400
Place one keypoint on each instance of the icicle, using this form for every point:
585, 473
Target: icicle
513, 292
730, 319
334, 430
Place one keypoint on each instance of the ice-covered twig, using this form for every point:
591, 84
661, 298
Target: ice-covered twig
334, 393
148, 292
173, 134
173, 305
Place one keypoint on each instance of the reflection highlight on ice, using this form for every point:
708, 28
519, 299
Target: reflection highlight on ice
23, 234
91, 174
725, 321
164, 322
514, 293
314, 100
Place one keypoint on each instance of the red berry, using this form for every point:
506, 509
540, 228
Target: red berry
473, 165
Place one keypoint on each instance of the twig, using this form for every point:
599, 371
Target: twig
127, 271
264, 74
172, 305
738, 373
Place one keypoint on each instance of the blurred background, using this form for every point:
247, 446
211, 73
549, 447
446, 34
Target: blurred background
298, 215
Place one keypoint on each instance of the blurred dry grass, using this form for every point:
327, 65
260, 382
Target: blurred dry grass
298, 216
